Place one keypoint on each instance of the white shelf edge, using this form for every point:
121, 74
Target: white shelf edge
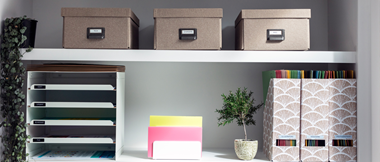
208, 155
230, 56
107, 105
52, 122
75, 140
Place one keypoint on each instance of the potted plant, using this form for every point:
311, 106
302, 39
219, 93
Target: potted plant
12, 71
240, 107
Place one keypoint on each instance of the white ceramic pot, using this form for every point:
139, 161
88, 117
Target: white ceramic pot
245, 150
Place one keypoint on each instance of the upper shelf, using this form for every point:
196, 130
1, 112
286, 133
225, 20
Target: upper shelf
59, 54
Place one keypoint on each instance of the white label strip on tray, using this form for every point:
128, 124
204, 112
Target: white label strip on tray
343, 136
71, 140
72, 87
286, 137
177, 150
315, 137
43, 122
72, 104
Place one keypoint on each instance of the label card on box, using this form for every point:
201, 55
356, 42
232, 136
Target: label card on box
95, 30
315, 137
275, 32
343, 136
187, 31
287, 137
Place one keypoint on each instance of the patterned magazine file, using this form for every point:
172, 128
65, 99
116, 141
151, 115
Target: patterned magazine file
342, 119
282, 117
314, 118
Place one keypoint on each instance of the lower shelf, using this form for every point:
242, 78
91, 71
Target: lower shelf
208, 155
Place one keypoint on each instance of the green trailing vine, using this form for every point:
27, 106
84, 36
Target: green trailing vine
12, 97
238, 106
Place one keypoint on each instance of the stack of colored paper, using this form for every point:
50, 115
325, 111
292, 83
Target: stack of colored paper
175, 137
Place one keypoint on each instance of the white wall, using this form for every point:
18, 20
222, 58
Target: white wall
366, 140
375, 78
49, 30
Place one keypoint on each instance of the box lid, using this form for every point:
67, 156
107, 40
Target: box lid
273, 14
100, 12
188, 12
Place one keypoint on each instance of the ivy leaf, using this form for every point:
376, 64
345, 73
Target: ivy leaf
22, 31
23, 38
13, 70
29, 49
6, 66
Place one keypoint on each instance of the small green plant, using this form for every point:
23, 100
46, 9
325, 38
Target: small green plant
238, 106
12, 97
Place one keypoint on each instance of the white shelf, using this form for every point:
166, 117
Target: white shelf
190, 56
72, 139
42, 104
88, 87
208, 155
69, 122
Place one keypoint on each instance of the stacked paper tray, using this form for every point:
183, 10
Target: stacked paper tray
73, 122
88, 87
75, 155
42, 104
73, 139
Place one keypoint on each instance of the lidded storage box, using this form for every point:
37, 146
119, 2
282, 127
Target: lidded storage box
273, 29
192, 28
110, 28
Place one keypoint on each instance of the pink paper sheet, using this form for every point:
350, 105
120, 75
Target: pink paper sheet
172, 134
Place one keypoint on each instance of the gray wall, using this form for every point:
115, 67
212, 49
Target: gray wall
49, 30
342, 25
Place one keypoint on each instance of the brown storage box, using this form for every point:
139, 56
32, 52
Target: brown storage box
119, 28
273, 29
169, 22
